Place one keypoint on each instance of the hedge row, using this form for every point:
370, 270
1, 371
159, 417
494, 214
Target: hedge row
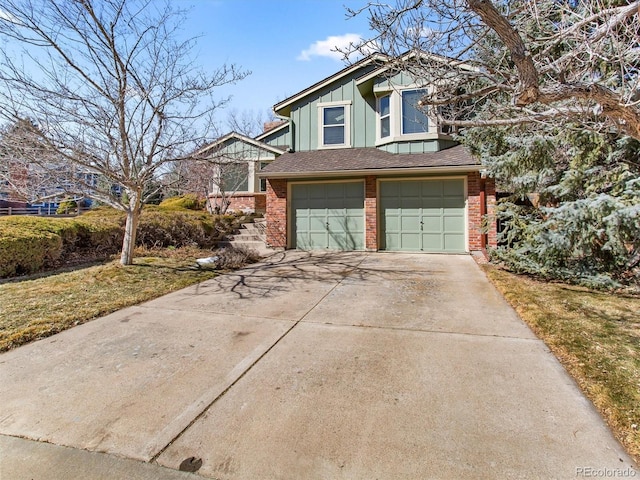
32, 244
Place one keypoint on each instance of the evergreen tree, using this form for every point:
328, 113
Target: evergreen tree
581, 220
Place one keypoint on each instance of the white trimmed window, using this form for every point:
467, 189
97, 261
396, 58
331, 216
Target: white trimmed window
384, 115
414, 118
334, 125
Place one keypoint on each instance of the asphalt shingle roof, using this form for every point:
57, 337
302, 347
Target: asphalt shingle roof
359, 159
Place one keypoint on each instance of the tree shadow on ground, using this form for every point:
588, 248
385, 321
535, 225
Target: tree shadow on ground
285, 272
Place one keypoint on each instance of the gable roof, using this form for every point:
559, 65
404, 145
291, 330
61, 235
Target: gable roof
272, 130
367, 161
371, 59
391, 64
242, 138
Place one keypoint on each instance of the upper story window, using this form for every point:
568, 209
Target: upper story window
400, 118
384, 110
334, 125
414, 120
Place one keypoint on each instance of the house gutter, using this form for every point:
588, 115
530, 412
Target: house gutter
387, 171
292, 147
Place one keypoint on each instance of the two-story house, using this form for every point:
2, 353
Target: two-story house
365, 168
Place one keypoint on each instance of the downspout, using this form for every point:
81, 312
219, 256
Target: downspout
483, 212
292, 147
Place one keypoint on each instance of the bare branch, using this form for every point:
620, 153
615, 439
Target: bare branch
561, 56
111, 87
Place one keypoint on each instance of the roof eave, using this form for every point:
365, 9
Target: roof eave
243, 138
371, 171
272, 131
279, 107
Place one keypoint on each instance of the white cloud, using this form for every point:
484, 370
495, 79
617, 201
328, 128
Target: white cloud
422, 32
4, 15
330, 46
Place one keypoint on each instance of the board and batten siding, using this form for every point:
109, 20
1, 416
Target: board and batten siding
238, 150
280, 138
304, 114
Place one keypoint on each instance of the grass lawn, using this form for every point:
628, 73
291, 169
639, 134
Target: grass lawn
39, 307
596, 336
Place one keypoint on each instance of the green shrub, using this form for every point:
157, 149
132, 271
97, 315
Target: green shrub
187, 202
176, 229
67, 206
23, 251
31, 244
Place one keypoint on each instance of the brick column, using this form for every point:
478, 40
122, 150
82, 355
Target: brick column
371, 213
277, 213
474, 211
490, 195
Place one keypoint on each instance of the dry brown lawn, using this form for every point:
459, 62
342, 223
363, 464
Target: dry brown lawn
39, 307
596, 336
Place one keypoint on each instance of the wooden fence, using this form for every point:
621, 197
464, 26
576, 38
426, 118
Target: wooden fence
41, 211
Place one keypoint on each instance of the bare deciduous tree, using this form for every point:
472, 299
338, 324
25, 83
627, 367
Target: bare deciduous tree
113, 88
521, 61
248, 122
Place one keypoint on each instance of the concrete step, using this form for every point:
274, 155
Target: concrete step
258, 246
245, 237
253, 227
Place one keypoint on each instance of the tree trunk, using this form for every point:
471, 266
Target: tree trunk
130, 230
129, 242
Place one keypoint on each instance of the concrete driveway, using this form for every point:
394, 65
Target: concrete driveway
307, 366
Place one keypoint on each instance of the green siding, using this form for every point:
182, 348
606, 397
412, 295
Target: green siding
304, 113
363, 118
279, 138
237, 149
423, 215
328, 216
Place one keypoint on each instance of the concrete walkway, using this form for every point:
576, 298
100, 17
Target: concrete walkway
323, 366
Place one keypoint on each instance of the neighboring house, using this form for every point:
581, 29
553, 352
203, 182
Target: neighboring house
23, 185
236, 160
362, 168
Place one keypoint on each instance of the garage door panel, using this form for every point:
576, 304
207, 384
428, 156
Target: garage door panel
392, 223
353, 191
432, 242
432, 224
328, 216
317, 223
408, 224
453, 188
452, 203
410, 241
454, 242
432, 203
423, 215
453, 224
409, 189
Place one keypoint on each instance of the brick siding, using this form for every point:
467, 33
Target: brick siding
277, 213
474, 210
371, 213
246, 202
490, 192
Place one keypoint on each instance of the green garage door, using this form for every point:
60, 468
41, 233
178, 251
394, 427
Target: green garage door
328, 216
423, 215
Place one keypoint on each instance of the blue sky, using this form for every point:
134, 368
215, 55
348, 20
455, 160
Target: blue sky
285, 43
